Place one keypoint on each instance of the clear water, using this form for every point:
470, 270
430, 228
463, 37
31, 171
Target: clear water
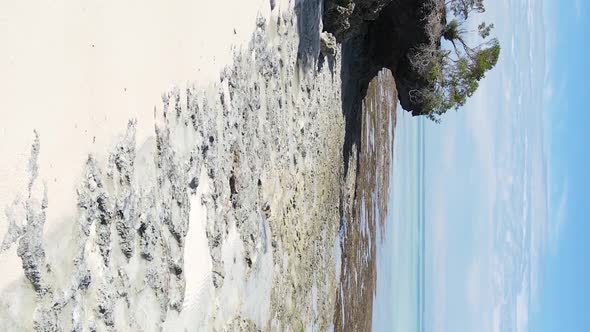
399, 300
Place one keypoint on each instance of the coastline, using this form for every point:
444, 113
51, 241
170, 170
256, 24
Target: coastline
264, 163
365, 205
121, 262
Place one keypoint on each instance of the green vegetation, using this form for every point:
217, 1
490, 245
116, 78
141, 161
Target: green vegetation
453, 74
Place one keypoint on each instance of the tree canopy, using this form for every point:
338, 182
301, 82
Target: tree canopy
453, 74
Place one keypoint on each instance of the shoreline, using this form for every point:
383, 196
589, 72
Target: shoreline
269, 165
266, 194
365, 197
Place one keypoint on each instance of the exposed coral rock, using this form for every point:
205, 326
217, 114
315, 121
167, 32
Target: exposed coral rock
328, 44
149, 229
121, 170
241, 325
104, 309
267, 138
30, 246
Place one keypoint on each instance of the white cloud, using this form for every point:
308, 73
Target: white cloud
496, 319
558, 218
548, 91
522, 309
578, 9
474, 285
504, 146
481, 122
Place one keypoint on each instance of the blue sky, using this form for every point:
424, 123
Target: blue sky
566, 292
506, 182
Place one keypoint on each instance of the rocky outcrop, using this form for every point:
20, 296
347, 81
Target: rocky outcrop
346, 18
401, 28
383, 34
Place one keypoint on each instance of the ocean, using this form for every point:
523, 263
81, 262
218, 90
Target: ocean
399, 299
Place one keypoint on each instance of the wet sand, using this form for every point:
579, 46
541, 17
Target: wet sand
365, 205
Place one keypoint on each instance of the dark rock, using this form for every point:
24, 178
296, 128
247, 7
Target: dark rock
346, 18
105, 305
30, 245
392, 37
194, 183
85, 281
377, 34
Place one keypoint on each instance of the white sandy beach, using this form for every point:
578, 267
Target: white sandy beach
190, 217
78, 71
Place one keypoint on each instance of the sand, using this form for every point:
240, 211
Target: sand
256, 248
78, 71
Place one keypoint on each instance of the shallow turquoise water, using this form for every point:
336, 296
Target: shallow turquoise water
399, 300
